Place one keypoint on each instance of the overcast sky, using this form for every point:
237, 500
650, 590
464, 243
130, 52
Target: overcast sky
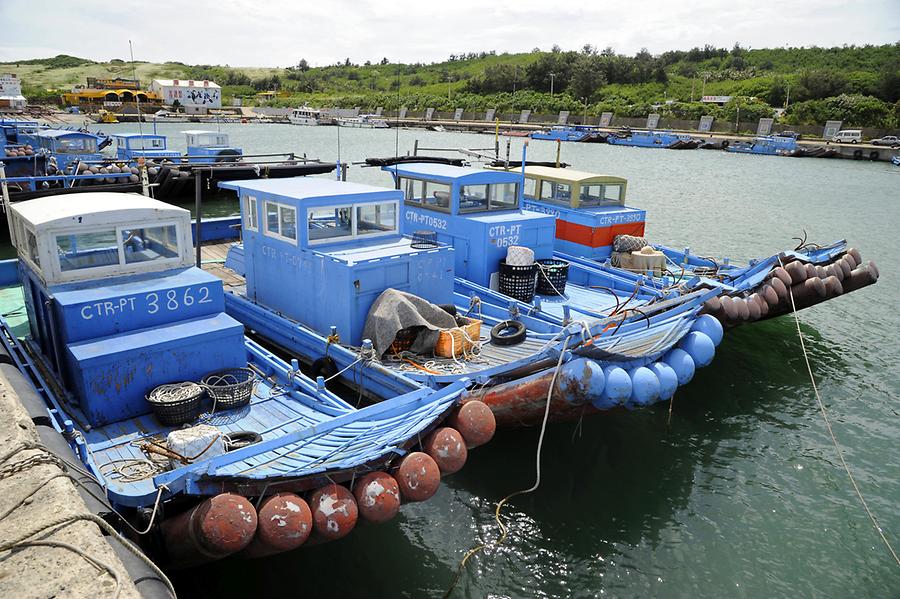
280, 32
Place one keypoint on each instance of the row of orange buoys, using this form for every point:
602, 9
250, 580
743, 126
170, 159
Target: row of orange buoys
229, 523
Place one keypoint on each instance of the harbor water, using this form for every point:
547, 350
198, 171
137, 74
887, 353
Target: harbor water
737, 493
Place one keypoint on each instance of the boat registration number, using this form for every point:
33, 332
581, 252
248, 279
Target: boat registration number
150, 303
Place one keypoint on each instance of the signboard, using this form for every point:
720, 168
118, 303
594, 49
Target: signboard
652, 121
563, 117
716, 99
378, 110
831, 129
523, 118
606, 119
10, 85
112, 104
458, 114
429, 112
489, 115
402, 114
764, 127
705, 123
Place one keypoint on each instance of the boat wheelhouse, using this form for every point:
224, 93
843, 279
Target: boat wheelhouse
589, 208
132, 337
209, 147
768, 145
653, 139
565, 133
68, 147
11, 128
305, 116
363, 121
130, 146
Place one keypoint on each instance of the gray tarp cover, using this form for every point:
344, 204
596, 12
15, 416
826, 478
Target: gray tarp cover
395, 310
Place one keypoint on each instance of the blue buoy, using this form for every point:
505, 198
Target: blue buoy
645, 386
711, 327
682, 363
700, 346
581, 380
617, 390
668, 380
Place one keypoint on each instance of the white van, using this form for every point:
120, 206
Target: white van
848, 136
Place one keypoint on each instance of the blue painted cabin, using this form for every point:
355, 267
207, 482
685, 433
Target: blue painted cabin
769, 145
564, 133
209, 147
321, 251
130, 146
114, 304
653, 139
11, 128
68, 147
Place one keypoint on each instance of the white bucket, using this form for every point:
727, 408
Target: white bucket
200, 442
518, 255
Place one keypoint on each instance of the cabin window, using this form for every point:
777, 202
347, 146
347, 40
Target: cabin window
376, 219
281, 221
76, 145
87, 250
251, 218
156, 143
149, 243
329, 223
601, 195
32, 247
496, 196
530, 185
556, 193
429, 194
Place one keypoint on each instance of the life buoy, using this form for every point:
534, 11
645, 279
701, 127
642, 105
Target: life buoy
725, 144
227, 155
508, 332
239, 439
873, 155
324, 367
857, 154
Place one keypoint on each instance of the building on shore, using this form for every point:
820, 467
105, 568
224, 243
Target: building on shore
11, 98
117, 95
195, 96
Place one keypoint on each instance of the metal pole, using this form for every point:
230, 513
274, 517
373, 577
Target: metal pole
497, 139
558, 148
198, 209
416, 148
6, 204
552, 76
344, 168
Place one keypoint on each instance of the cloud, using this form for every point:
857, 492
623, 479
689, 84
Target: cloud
280, 32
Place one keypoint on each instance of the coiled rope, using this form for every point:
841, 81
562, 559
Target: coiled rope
837, 447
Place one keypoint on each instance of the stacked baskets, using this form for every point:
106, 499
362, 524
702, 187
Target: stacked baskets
521, 276
181, 403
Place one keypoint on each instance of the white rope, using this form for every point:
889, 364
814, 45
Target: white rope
834, 440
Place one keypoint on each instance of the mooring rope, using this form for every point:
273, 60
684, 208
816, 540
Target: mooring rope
837, 446
537, 481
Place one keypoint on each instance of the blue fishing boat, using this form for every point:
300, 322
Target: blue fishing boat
767, 145
565, 133
130, 146
596, 229
68, 147
10, 129
324, 271
197, 434
653, 139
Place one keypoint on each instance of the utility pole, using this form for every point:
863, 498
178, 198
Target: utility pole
787, 99
552, 75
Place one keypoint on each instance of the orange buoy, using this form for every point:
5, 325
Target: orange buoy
779, 288
846, 265
782, 274
743, 308
811, 270
213, 529
285, 522
854, 253
475, 422
447, 448
768, 293
418, 476
377, 497
753, 307
833, 286
732, 312
797, 271
334, 511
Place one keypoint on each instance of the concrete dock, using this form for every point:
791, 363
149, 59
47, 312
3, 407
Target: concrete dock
72, 559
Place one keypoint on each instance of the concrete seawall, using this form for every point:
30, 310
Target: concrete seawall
35, 493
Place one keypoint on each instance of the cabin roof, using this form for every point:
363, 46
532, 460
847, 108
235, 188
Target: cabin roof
95, 208
202, 132
567, 174
184, 83
301, 188
445, 173
136, 135
64, 133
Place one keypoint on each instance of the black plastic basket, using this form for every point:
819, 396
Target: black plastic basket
230, 388
518, 282
177, 403
552, 276
424, 240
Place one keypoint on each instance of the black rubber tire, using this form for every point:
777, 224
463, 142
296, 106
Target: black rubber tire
448, 308
324, 367
517, 336
725, 144
228, 155
873, 155
857, 154
239, 439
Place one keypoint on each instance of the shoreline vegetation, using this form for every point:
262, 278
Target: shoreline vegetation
859, 85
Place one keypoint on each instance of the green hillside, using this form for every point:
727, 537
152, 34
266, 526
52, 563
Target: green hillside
859, 84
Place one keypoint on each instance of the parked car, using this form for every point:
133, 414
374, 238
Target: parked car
848, 136
887, 140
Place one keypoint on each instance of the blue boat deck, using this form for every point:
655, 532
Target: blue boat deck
589, 300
